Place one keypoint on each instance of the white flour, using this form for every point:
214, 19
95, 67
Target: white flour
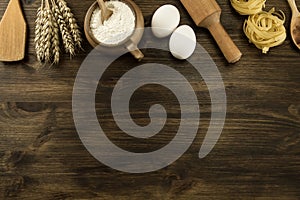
117, 28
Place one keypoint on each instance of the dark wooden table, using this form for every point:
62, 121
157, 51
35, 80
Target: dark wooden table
257, 156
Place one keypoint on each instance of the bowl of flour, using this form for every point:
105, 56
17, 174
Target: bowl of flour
124, 28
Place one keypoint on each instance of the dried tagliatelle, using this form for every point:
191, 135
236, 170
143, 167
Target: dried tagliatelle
266, 29
248, 7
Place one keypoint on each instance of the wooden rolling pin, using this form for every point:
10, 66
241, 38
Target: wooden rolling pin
206, 13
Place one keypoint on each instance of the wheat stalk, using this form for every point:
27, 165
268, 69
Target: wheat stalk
75, 32
55, 21
47, 35
38, 33
70, 21
65, 33
55, 40
38, 30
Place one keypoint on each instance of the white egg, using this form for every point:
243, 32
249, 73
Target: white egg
182, 43
165, 20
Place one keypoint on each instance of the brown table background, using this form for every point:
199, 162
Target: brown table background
257, 156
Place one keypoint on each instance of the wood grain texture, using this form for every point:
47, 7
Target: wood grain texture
257, 156
12, 33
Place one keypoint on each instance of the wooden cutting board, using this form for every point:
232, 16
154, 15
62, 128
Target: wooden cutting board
12, 33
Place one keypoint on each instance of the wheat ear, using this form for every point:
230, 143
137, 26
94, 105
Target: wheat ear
47, 33
55, 40
65, 33
38, 33
71, 22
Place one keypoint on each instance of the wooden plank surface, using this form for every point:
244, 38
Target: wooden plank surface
257, 156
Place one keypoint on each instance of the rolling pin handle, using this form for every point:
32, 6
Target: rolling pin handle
227, 46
